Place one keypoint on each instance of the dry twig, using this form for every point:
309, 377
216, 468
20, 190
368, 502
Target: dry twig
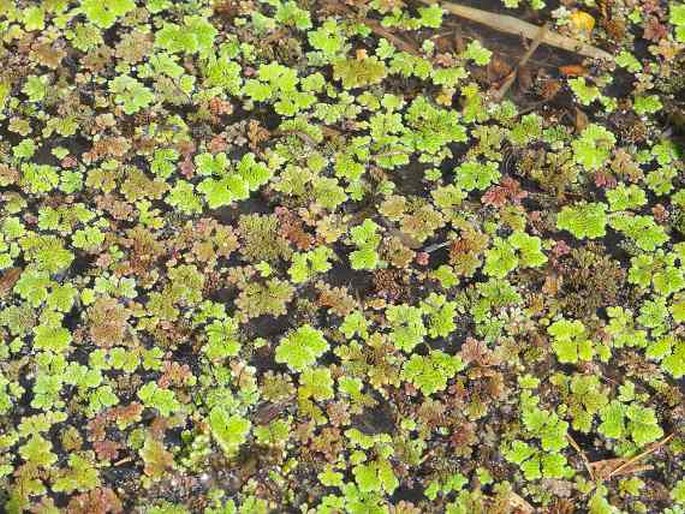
511, 25
499, 94
586, 461
630, 463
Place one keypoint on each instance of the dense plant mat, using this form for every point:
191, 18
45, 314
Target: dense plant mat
326, 256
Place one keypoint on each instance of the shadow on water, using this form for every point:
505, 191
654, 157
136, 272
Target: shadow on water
379, 419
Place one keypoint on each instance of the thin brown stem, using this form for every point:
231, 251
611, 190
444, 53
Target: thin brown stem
511, 25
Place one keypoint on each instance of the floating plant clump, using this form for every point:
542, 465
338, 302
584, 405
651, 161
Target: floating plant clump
342, 256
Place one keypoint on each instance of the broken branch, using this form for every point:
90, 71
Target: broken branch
651, 449
499, 94
511, 25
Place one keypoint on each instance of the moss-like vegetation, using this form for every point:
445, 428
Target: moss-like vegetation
326, 256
